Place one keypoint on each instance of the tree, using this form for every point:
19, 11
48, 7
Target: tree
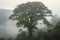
22, 36
57, 32
27, 15
54, 34
2, 38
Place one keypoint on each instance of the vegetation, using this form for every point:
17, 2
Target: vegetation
28, 14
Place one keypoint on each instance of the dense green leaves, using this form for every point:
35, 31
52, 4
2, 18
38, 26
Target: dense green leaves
36, 10
52, 34
29, 13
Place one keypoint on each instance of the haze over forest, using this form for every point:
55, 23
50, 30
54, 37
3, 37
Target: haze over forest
8, 27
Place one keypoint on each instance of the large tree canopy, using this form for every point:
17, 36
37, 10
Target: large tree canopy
27, 15
36, 10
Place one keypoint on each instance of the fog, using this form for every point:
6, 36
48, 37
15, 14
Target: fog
7, 27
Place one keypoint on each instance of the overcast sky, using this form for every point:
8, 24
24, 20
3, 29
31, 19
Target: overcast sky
53, 5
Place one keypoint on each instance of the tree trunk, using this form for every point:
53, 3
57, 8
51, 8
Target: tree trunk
30, 28
30, 33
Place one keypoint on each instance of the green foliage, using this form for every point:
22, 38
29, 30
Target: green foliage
55, 32
2, 38
22, 36
29, 13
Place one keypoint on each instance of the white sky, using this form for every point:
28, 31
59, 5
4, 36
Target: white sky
53, 5
12, 3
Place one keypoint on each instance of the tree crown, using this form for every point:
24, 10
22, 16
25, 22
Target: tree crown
30, 12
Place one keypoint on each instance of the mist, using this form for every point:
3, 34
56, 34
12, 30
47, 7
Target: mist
7, 27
